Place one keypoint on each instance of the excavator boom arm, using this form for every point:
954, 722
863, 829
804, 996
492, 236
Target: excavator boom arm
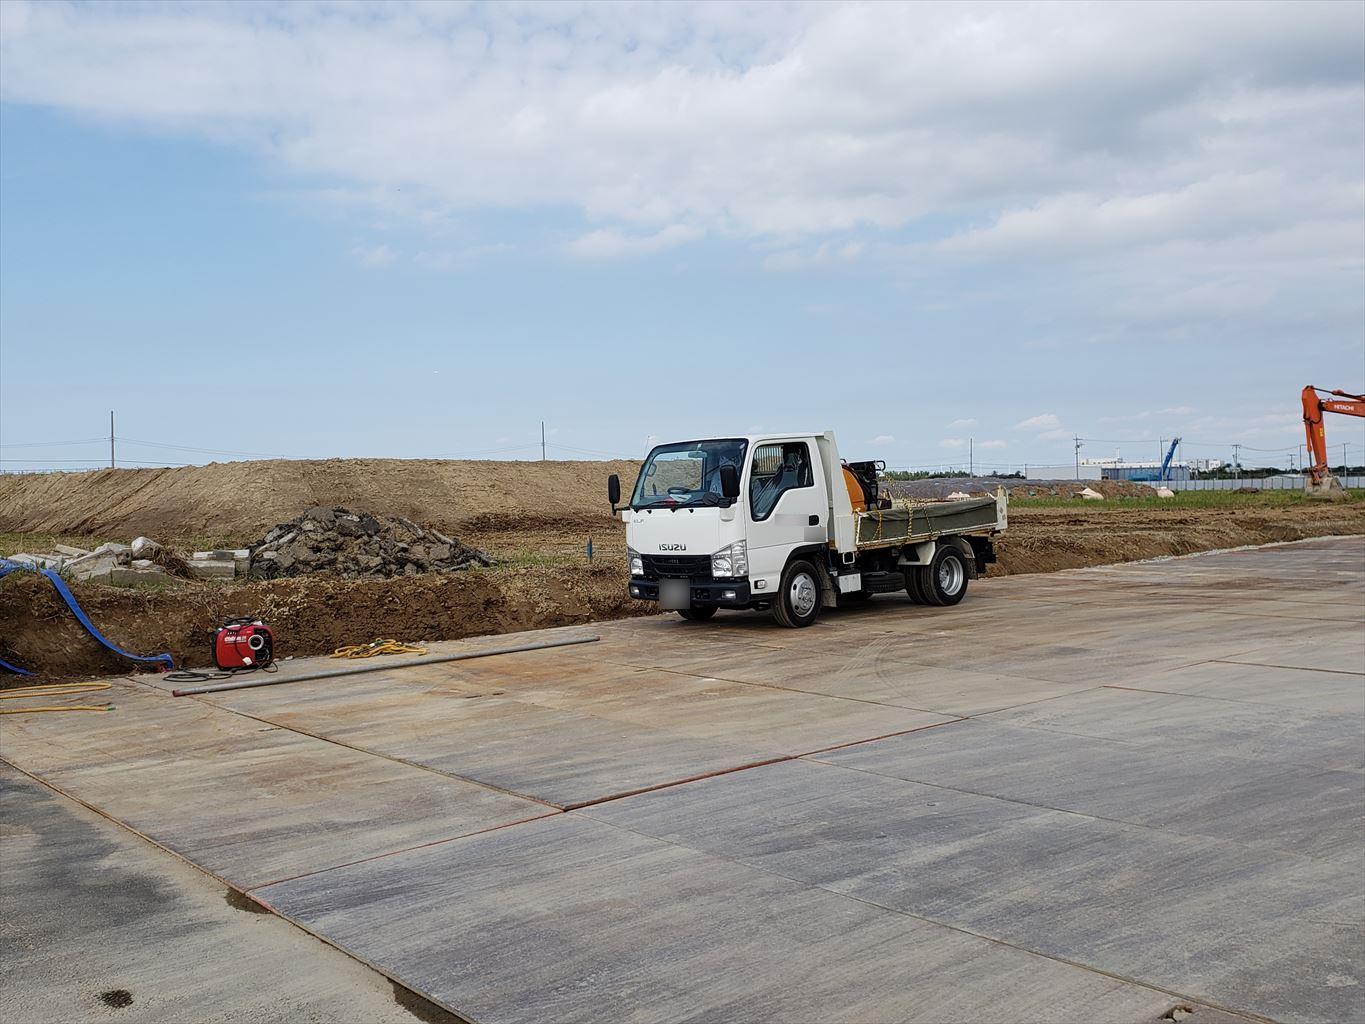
1314, 406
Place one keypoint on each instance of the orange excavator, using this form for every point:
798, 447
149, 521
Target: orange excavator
1320, 479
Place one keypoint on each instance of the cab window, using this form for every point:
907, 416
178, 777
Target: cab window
776, 469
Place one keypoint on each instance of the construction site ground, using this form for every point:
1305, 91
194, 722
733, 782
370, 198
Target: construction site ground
1131, 793
536, 519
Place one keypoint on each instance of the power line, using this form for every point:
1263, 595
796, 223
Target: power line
54, 444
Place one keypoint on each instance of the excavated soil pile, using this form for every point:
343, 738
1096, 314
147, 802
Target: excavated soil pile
202, 506
357, 545
310, 614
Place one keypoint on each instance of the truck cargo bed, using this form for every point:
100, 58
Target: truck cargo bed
902, 523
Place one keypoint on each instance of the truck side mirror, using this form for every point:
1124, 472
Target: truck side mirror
729, 481
614, 491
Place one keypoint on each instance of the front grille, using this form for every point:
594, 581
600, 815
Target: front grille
677, 567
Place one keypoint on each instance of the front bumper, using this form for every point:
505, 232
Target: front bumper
725, 593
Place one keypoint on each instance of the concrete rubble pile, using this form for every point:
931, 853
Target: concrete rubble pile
353, 544
142, 561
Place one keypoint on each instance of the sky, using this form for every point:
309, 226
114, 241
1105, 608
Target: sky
420, 230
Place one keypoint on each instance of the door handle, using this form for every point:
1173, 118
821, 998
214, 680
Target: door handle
813, 521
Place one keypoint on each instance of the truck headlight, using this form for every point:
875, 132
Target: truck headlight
731, 561
637, 564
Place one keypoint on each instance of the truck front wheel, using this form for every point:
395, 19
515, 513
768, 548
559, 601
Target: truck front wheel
798, 596
944, 581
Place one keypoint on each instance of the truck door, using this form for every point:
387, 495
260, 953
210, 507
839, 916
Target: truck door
786, 508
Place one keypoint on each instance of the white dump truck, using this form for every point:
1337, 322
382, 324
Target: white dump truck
779, 522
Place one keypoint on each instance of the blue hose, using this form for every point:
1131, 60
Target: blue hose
7, 567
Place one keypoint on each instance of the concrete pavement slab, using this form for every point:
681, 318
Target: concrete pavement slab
251, 803
572, 919
1271, 933
97, 924
568, 736
1303, 689
1280, 806
1178, 722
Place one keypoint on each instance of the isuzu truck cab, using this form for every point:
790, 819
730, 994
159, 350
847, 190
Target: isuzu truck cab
779, 522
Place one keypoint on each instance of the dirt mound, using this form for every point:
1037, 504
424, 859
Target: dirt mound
355, 545
310, 614
227, 504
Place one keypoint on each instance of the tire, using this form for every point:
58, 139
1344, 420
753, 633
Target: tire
797, 601
944, 582
912, 584
698, 613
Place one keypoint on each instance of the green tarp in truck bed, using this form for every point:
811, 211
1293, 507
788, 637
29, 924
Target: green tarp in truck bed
894, 525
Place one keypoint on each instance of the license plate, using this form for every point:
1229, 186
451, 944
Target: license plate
674, 594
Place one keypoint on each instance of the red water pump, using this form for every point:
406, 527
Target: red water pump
242, 644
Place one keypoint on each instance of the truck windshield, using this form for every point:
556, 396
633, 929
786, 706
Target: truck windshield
687, 473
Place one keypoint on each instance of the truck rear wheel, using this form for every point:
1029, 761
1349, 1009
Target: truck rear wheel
798, 596
698, 612
944, 582
913, 576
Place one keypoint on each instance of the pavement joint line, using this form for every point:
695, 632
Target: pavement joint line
1115, 741
299, 924
1079, 688
407, 849
806, 883
373, 753
887, 736
1229, 700
795, 689
1215, 841
673, 783
1290, 668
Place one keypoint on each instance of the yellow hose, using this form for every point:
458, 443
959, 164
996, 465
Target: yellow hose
376, 647
55, 690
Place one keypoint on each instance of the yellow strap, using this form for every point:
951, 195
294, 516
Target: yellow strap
55, 690
376, 647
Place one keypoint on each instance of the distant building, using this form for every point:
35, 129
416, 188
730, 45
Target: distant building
1066, 472
1145, 472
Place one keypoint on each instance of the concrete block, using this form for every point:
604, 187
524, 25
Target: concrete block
240, 557
124, 577
37, 561
212, 569
69, 551
97, 568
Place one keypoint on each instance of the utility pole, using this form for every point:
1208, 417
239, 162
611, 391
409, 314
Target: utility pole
542, 440
1237, 461
971, 456
111, 438
1077, 439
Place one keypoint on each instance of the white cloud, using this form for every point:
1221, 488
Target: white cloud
373, 255
1175, 411
1056, 129
953, 443
1053, 435
827, 254
608, 243
1043, 421
882, 439
966, 424
992, 444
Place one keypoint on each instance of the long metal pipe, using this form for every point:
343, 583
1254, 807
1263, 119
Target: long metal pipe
381, 666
